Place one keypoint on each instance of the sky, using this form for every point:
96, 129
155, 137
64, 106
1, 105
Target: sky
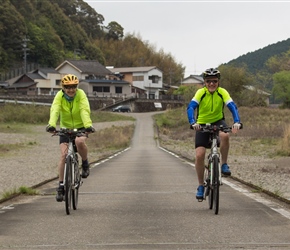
201, 34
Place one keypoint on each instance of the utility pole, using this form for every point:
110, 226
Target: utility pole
25, 49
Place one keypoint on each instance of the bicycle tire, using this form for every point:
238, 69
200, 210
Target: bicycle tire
76, 185
68, 186
216, 184
210, 188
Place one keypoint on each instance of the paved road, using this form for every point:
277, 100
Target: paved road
143, 198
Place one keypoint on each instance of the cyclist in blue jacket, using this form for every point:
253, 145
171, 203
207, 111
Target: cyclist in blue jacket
209, 102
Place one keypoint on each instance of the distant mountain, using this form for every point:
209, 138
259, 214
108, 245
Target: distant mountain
255, 61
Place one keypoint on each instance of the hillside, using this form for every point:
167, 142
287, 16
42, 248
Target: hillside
46, 32
255, 61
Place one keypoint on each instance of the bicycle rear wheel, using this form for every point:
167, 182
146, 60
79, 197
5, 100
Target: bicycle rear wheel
76, 186
216, 185
68, 186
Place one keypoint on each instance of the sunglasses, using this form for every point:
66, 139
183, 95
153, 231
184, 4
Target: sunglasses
213, 81
70, 87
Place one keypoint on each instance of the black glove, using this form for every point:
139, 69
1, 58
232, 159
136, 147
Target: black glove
50, 129
90, 130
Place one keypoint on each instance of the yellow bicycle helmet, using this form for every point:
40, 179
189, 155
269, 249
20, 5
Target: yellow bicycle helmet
70, 80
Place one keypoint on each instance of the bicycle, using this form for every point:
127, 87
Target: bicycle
72, 176
212, 171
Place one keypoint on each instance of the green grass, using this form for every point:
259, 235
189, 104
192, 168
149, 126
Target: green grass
106, 116
18, 191
13, 116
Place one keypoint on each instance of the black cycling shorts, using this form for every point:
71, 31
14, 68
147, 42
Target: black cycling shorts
202, 139
64, 139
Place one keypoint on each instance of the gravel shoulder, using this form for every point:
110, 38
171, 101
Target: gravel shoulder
36, 157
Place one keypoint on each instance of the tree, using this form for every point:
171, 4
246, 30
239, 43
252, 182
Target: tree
115, 31
45, 42
12, 31
83, 14
279, 62
233, 79
281, 87
187, 92
92, 52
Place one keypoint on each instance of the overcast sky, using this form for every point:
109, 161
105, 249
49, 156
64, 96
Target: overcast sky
201, 34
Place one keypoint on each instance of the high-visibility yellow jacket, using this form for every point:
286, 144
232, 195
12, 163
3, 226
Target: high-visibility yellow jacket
71, 115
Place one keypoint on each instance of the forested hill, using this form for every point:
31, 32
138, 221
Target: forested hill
256, 60
51, 31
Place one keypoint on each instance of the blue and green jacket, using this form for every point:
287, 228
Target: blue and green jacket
210, 106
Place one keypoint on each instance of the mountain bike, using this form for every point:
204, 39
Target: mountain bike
72, 175
212, 171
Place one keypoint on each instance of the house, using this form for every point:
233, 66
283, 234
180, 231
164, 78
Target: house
37, 82
193, 80
258, 92
84, 69
146, 80
94, 78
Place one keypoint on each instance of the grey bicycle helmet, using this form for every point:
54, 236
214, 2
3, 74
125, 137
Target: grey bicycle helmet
211, 72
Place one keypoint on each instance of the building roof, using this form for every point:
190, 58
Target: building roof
133, 69
21, 85
259, 91
87, 67
4, 84
45, 71
34, 76
196, 77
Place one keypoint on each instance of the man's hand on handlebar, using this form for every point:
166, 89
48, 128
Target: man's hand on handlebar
236, 126
195, 126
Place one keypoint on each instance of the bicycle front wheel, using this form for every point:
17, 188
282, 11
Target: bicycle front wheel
76, 186
216, 184
68, 185
210, 187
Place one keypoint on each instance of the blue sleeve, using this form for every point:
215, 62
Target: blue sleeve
190, 111
234, 110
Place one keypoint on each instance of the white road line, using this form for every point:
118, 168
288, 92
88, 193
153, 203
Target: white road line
110, 157
255, 196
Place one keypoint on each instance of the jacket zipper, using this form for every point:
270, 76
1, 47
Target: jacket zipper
71, 108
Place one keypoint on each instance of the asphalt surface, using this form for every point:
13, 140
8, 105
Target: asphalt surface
144, 198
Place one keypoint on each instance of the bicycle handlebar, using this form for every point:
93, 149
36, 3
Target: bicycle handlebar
214, 128
70, 133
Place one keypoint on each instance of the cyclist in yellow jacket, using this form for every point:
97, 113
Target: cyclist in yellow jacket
209, 102
71, 107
